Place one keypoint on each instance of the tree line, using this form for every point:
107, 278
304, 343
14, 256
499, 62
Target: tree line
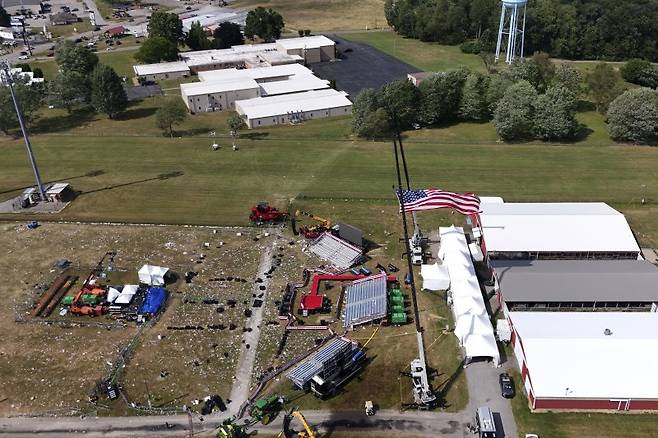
534, 99
166, 34
571, 29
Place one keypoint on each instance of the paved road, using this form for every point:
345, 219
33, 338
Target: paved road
241, 385
484, 390
386, 422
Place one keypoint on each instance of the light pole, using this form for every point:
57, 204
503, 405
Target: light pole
10, 83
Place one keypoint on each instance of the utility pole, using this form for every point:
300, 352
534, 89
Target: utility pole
25, 39
10, 83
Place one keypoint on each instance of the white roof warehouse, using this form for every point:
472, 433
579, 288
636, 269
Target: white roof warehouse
588, 360
567, 230
292, 108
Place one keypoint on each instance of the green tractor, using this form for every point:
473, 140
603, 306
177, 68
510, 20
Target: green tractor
265, 409
230, 429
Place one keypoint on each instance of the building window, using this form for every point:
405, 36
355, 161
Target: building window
259, 122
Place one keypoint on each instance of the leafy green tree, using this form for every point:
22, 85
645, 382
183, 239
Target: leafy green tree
441, 96
235, 123
172, 112
604, 86
156, 49
226, 35
64, 90
5, 18
633, 116
166, 25
513, 118
71, 57
554, 117
525, 69
400, 101
30, 99
569, 77
38, 73
365, 104
474, 104
264, 23
640, 72
546, 70
107, 93
300, 32
196, 38
498, 85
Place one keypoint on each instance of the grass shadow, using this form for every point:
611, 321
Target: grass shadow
193, 132
136, 113
160, 177
254, 135
63, 122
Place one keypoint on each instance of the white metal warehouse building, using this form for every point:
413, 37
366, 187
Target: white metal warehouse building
162, 71
293, 108
217, 96
588, 360
565, 230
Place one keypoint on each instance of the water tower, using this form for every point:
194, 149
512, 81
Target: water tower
512, 11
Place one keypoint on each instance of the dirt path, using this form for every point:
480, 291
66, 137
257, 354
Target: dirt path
244, 369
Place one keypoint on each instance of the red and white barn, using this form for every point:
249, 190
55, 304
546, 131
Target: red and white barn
588, 360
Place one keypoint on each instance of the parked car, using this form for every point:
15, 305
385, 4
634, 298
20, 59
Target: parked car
506, 385
24, 57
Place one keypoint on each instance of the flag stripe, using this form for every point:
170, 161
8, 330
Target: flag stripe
417, 200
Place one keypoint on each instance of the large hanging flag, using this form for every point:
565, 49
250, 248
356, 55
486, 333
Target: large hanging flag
417, 200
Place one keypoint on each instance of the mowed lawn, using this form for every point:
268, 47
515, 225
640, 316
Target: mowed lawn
425, 56
126, 171
324, 15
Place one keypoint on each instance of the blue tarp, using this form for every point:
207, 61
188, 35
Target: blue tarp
154, 301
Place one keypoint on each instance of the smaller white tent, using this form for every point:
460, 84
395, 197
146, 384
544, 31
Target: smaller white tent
130, 289
152, 275
112, 294
435, 277
127, 294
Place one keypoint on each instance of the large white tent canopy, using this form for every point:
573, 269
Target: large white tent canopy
435, 277
472, 325
152, 275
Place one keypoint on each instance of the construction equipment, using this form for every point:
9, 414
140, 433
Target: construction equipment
370, 408
88, 305
287, 432
314, 231
230, 429
265, 409
264, 213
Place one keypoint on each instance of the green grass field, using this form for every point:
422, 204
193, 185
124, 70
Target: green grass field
324, 15
316, 161
425, 56
121, 61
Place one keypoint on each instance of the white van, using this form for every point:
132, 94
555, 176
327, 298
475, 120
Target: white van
485, 423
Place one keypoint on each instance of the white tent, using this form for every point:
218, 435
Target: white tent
435, 277
472, 325
152, 275
124, 298
112, 294
481, 346
468, 306
130, 289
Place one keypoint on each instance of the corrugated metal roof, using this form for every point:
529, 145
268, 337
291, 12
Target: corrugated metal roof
258, 73
577, 280
199, 88
309, 42
160, 68
366, 300
294, 84
305, 371
336, 251
289, 103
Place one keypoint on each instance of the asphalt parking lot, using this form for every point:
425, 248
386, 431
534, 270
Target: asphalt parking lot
361, 67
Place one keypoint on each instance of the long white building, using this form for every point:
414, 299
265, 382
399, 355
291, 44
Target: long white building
293, 108
217, 96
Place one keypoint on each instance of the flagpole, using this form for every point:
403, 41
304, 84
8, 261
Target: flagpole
412, 283
406, 176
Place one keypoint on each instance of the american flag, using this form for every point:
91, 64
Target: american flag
417, 200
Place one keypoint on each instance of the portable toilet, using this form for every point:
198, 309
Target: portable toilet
399, 318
